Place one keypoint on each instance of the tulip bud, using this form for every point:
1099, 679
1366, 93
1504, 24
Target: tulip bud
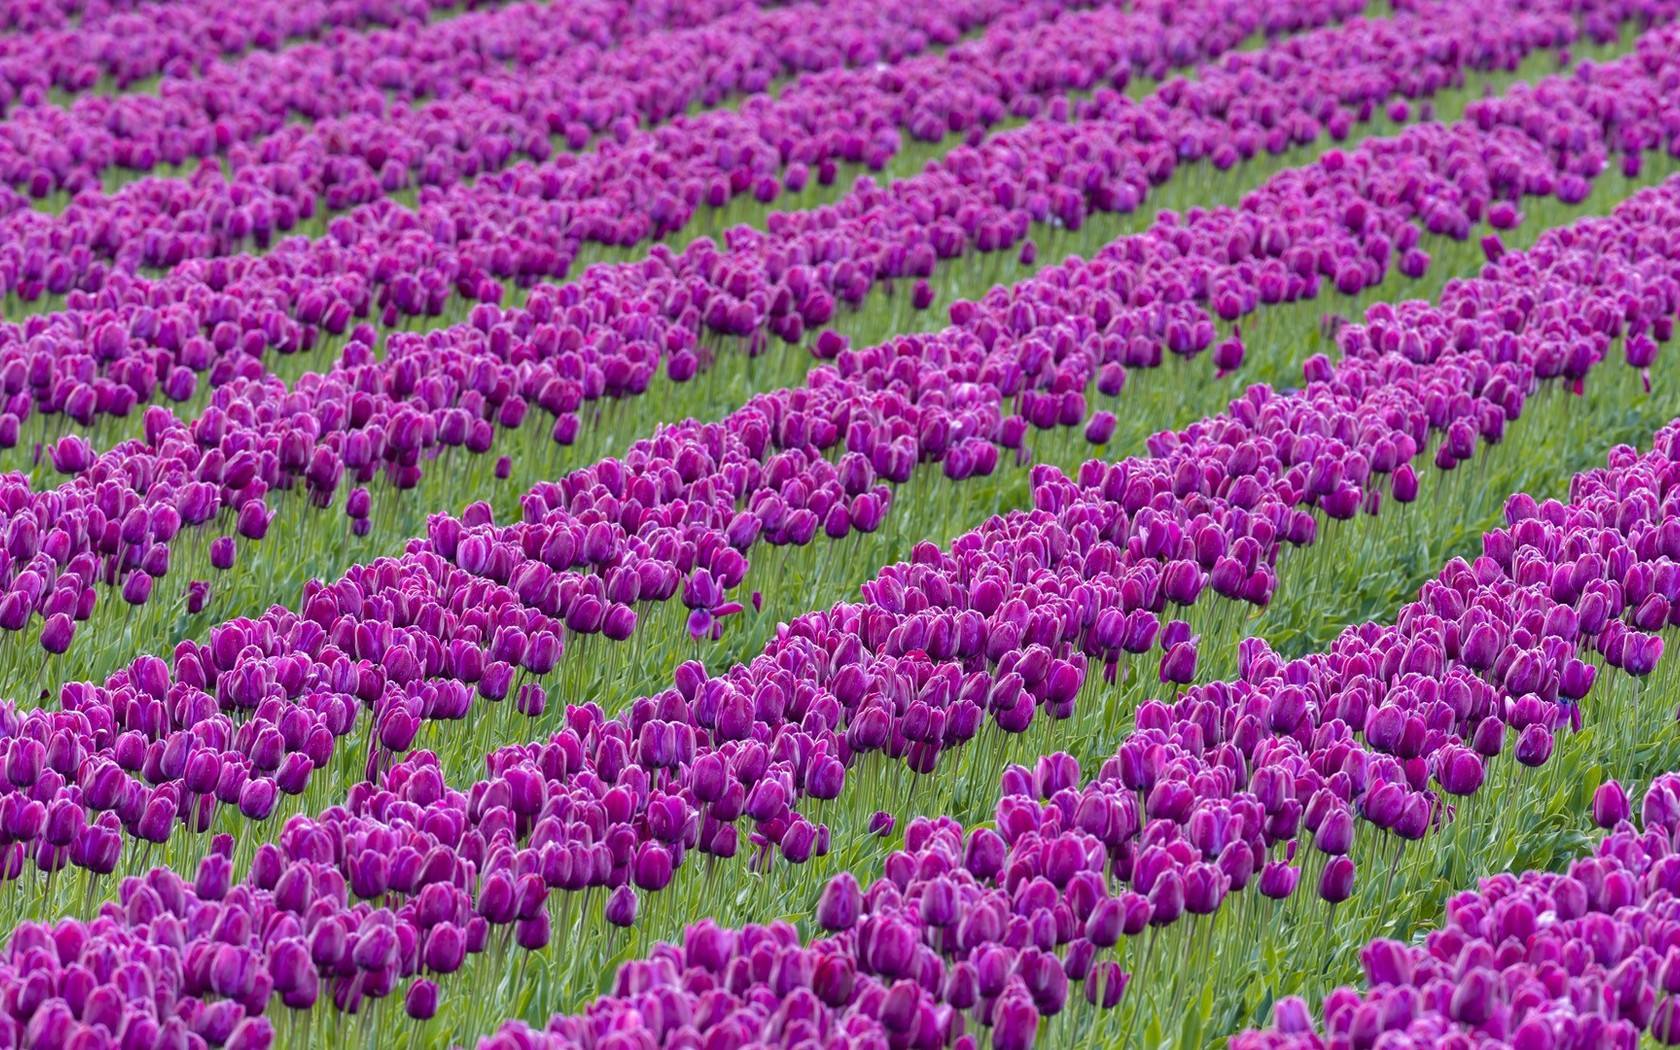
1278, 880
1461, 772
1336, 884
1014, 1023
1106, 984
58, 631
422, 999
621, 907
446, 948
1291, 1016
1534, 746
1610, 805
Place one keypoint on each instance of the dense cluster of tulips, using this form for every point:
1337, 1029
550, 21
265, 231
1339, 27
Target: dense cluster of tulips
449, 686
639, 184
76, 47
1576, 958
1015, 364
1206, 796
451, 100
388, 264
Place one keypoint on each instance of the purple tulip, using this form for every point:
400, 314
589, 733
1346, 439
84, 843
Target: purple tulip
57, 633
1610, 805
621, 907
1336, 883
840, 905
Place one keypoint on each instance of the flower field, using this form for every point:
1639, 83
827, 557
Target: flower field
623, 524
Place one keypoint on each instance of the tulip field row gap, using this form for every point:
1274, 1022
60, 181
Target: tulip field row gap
649, 626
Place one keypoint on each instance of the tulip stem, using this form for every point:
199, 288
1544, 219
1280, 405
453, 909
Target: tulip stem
1143, 968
